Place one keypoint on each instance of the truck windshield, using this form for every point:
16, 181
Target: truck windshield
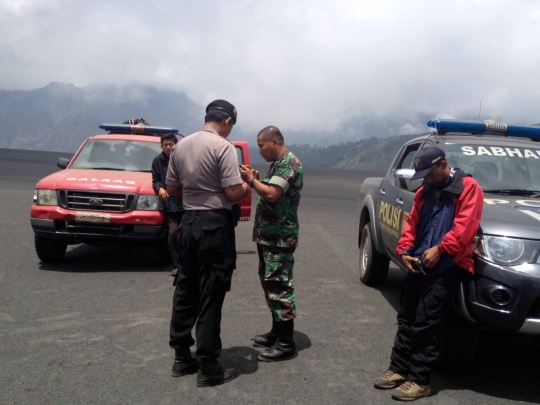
498, 168
111, 154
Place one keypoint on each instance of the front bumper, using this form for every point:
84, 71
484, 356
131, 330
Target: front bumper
501, 297
61, 224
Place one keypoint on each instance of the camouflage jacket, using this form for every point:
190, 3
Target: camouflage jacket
276, 224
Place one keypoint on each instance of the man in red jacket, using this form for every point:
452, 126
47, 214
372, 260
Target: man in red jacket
436, 247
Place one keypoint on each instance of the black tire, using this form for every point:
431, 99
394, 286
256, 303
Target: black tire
457, 343
49, 250
373, 266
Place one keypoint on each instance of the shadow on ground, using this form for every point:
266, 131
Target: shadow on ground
244, 359
505, 365
302, 341
87, 259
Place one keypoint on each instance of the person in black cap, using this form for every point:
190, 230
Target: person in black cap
436, 249
204, 171
224, 106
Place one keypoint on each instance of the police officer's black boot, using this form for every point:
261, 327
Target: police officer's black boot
183, 363
284, 347
267, 339
212, 373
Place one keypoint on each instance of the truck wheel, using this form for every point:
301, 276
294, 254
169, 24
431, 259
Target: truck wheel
372, 264
49, 250
457, 343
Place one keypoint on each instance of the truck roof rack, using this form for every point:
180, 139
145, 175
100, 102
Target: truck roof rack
488, 127
138, 129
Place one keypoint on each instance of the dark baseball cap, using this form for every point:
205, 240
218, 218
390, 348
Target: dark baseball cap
425, 160
223, 105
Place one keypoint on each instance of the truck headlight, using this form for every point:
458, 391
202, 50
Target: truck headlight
45, 197
150, 203
506, 251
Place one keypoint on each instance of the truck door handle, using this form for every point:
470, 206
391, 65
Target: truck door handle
399, 202
382, 192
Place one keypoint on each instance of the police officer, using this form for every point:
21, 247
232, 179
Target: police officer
173, 205
204, 169
276, 233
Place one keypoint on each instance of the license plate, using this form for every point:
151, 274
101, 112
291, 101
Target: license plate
92, 217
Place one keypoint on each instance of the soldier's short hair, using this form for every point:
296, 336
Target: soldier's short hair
271, 132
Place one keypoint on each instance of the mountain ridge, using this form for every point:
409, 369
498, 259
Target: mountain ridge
60, 116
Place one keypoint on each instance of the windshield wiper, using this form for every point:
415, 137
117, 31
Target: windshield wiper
108, 168
518, 191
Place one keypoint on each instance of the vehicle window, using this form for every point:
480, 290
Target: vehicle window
406, 159
111, 154
240, 154
497, 167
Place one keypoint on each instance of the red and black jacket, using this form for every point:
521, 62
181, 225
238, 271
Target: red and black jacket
466, 201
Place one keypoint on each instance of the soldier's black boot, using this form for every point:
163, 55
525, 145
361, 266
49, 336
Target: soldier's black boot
284, 347
183, 363
267, 339
212, 373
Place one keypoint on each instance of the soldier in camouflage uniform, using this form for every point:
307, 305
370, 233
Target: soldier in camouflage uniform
276, 233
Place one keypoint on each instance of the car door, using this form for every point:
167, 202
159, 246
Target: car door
395, 202
242, 151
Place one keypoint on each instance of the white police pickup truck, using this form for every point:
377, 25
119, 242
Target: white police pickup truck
505, 291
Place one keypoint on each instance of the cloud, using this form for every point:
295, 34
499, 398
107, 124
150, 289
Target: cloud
306, 66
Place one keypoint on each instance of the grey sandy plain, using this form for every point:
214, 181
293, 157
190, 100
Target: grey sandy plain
94, 329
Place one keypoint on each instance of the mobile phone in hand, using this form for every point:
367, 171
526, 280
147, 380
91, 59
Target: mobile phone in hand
418, 266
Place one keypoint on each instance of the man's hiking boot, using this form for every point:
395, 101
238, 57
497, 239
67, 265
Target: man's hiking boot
183, 363
389, 380
410, 391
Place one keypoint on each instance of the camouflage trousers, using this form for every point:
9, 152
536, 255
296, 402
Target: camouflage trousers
276, 275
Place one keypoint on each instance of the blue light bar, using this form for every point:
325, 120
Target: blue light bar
137, 129
484, 127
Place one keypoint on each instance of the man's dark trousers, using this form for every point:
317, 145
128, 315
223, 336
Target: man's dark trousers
174, 220
424, 303
207, 260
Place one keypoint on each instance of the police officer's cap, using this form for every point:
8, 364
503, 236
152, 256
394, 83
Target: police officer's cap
223, 105
425, 160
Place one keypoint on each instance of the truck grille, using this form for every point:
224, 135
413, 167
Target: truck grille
95, 229
96, 201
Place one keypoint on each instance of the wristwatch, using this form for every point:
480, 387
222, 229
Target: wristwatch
250, 182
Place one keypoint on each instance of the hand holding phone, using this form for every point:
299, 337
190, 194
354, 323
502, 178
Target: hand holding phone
418, 266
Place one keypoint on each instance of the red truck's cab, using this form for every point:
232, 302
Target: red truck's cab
104, 195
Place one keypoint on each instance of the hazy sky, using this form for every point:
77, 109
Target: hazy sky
320, 66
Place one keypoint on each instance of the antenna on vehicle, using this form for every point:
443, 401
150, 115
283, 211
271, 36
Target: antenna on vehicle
480, 112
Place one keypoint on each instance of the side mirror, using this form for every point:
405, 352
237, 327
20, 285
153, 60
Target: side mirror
62, 163
402, 179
